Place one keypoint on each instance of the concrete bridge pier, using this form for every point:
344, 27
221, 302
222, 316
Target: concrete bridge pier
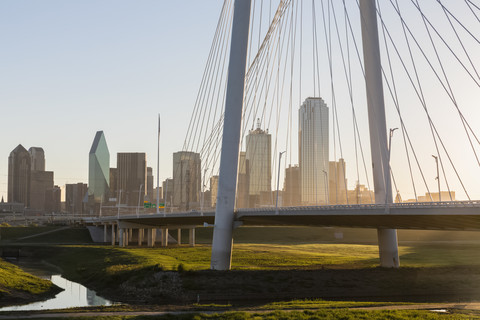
179, 236
191, 237
113, 235
105, 228
121, 237
140, 236
164, 238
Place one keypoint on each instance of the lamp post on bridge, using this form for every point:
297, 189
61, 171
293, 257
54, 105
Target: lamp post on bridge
139, 194
278, 179
389, 180
438, 178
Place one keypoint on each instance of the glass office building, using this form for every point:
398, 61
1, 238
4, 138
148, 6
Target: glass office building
98, 169
313, 151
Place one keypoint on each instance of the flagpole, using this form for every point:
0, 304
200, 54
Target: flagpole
158, 166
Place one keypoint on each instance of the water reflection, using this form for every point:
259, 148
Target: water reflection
74, 295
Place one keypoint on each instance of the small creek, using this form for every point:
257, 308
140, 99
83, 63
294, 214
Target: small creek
73, 294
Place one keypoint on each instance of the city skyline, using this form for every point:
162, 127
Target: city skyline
65, 63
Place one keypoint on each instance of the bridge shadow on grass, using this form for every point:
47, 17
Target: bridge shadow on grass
369, 284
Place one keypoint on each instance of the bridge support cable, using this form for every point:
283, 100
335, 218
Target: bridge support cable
224, 213
419, 92
387, 238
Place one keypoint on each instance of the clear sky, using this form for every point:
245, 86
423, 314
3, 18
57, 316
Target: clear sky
70, 68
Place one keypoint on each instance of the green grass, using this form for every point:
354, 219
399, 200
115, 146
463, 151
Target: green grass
327, 314
17, 285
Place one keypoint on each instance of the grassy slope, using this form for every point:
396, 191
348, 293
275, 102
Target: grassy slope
18, 286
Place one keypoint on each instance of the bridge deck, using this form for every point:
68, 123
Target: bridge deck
427, 216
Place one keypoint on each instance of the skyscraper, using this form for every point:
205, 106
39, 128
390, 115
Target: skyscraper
187, 179
98, 171
242, 181
291, 188
313, 151
259, 155
41, 181
213, 191
76, 195
131, 178
151, 196
337, 183
19, 171
38, 158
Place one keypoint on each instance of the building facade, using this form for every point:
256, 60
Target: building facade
37, 158
313, 151
242, 200
19, 171
150, 190
40, 183
187, 180
131, 178
258, 152
291, 187
213, 191
76, 198
337, 182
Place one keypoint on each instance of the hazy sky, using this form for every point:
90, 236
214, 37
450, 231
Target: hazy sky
70, 68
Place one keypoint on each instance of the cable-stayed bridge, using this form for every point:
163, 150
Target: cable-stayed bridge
419, 77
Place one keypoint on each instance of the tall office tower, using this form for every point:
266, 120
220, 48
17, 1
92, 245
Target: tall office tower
187, 179
291, 188
259, 155
19, 171
213, 191
313, 151
167, 192
242, 181
132, 178
150, 194
337, 183
38, 158
98, 172
76, 196
40, 183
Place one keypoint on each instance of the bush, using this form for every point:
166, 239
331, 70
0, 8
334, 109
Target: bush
5, 225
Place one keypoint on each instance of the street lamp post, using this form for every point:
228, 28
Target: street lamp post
119, 202
325, 180
438, 178
388, 192
139, 195
278, 179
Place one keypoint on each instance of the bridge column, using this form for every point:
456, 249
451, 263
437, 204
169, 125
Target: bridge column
179, 236
387, 238
121, 237
227, 181
164, 237
113, 235
104, 233
140, 237
191, 237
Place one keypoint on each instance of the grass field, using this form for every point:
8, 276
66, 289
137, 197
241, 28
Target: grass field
270, 264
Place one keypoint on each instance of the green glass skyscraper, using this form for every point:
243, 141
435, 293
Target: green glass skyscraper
98, 171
